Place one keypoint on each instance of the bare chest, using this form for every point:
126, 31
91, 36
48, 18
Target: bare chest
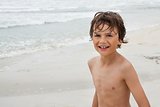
107, 80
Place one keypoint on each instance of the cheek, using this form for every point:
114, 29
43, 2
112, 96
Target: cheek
94, 41
115, 42
95, 44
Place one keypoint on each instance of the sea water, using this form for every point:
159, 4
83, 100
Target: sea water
28, 26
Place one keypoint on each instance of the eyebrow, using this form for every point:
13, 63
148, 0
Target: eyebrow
105, 33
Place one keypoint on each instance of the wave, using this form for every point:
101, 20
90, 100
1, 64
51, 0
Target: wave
78, 7
31, 24
46, 10
40, 16
40, 23
10, 49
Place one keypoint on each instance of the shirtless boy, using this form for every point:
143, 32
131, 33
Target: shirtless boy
114, 76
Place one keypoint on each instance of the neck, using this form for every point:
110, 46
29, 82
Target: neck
108, 60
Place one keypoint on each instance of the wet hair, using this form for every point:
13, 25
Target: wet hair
113, 20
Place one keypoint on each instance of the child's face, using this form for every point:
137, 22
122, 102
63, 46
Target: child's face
105, 40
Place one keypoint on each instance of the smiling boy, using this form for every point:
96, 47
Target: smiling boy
114, 76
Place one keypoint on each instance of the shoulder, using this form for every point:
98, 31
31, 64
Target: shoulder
128, 69
92, 61
126, 66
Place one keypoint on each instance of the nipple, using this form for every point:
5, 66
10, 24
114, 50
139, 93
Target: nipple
113, 88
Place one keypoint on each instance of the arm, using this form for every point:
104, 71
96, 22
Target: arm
95, 100
135, 87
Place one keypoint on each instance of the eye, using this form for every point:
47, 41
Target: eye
109, 35
97, 35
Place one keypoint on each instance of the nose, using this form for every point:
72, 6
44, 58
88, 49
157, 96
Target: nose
103, 40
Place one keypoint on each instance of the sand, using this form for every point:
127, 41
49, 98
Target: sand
61, 78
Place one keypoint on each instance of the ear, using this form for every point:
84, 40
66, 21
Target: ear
119, 43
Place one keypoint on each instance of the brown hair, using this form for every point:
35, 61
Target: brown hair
113, 20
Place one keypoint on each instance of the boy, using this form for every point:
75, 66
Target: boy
114, 76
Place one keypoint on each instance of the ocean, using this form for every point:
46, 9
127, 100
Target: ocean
28, 26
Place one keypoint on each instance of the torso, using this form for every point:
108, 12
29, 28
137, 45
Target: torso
111, 88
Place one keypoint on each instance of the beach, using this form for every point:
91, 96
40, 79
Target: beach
61, 78
43, 58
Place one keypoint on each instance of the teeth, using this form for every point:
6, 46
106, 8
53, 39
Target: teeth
103, 47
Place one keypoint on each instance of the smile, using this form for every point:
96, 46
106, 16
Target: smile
103, 47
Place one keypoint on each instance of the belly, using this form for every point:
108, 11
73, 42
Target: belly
113, 99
